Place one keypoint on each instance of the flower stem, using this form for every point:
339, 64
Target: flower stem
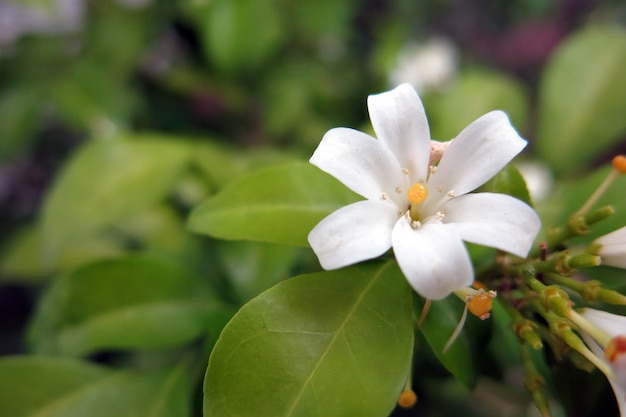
535, 383
608, 180
578, 224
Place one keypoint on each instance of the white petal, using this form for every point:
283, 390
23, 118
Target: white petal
613, 324
496, 220
400, 123
478, 153
354, 233
615, 238
613, 248
618, 390
359, 161
613, 256
432, 258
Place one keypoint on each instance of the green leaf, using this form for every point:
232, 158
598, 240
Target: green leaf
439, 324
279, 204
254, 267
105, 181
222, 164
20, 258
19, 110
583, 99
35, 386
474, 94
137, 302
334, 343
239, 36
508, 181
92, 99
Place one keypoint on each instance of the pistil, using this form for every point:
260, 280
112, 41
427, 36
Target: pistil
417, 194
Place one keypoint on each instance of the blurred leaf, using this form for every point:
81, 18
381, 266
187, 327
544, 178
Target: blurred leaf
29, 384
508, 181
106, 181
323, 20
118, 36
239, 36
475, 93
18, 111
438, 326
254, 267
137, 302
279, 204
583, 99
222, 164
92, 99
334, 343
161, 230
20, 258
56, 387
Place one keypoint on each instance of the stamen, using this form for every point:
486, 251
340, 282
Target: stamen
432, 169
415, 224
405, 171
440, 188
481, 303
424, 312
398, 190
451, 194
384, 196
457, 331
407, 399
619, 167
619, 163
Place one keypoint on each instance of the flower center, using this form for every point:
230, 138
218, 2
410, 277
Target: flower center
417, 194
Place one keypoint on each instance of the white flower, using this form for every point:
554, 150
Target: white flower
615, 327
431, 65
423, 212
612, 248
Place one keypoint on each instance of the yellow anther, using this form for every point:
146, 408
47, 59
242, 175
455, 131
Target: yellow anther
481, 303
407, 399
619, 163
417, 194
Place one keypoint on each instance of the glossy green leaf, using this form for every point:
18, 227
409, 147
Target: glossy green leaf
439, 324
37, 386
509, 181
279, 204
105, 181
583, 99
334, 343
136, 302
474, 94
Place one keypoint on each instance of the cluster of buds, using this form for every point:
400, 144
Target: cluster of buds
543, 312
